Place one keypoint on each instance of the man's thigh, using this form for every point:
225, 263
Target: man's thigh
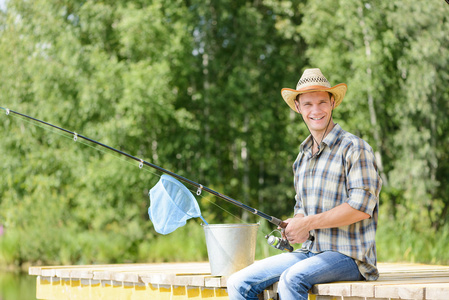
269, 269
325, 267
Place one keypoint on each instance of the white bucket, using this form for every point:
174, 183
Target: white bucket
230, 247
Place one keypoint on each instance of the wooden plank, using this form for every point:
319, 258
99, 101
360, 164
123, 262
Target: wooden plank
132, 274
413, 290
190, 280
367, 288
128, 276
406, 270
342, 289
82, 274
401, 276
397, 281
212, 281
158, 278
36, 270
437, 291
406, 291
195, 267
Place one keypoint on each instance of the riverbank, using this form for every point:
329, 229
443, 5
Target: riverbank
17, 285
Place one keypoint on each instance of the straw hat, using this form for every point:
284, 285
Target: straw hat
312, 80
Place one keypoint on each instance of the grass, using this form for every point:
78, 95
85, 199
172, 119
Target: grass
398, 240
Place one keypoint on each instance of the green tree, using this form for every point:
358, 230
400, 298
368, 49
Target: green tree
394, 57
187, 85
83, 66
242, 146
194, 86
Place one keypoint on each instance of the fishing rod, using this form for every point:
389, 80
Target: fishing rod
200, 187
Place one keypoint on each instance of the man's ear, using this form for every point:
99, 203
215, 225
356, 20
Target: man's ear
297, 106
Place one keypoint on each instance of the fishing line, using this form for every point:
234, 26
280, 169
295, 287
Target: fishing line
282, 245
70, 137
74, 136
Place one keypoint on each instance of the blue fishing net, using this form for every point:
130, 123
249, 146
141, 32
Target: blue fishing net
171, 205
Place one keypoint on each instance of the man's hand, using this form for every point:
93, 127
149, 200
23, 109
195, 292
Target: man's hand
297, 230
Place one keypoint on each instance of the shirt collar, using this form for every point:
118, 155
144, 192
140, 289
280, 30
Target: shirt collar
330, 139
333, 135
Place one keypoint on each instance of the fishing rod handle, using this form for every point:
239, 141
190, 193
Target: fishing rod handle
278, 222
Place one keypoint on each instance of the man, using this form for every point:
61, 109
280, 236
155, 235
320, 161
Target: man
337, 196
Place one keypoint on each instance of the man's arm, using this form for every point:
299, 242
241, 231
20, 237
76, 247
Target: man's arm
297, 230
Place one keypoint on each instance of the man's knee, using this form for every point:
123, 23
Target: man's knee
232, 281
235, 284
293, 281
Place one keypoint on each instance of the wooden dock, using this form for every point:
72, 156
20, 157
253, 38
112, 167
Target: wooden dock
166, 281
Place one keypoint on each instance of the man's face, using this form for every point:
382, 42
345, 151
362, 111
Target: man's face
316, 109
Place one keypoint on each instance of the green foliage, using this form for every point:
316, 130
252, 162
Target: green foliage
411, 239
194, 86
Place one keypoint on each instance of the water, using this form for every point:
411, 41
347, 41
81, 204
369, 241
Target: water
17, 286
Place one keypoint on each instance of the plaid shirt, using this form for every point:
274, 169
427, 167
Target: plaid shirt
343, 171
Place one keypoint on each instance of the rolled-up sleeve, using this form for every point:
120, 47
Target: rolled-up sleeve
363, 180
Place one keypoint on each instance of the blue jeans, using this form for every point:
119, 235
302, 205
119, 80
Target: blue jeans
296, 272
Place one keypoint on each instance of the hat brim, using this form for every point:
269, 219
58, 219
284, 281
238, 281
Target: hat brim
338, 91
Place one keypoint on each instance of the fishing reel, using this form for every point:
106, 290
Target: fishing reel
278, 242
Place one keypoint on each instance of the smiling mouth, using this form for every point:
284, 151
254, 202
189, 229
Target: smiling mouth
317, 119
